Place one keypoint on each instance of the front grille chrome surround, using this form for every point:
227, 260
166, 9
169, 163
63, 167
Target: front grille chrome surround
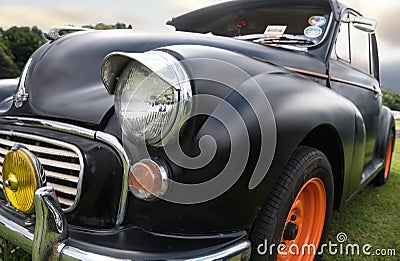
63, 164
106, 138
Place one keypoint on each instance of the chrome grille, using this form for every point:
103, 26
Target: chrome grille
62, 162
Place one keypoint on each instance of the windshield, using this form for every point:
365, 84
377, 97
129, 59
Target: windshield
283, 25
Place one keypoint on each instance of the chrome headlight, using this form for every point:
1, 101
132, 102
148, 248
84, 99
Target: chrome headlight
152, 94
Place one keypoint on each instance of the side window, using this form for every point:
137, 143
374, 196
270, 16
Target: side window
342, 46
360, 54
352, 45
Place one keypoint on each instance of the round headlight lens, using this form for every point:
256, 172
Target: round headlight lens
20, 180
152, 105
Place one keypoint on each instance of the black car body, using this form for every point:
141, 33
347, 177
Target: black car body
286, 91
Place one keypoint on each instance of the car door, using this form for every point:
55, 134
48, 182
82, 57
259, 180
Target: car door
352, 76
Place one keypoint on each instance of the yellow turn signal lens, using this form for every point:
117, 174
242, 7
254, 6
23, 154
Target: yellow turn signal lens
20, 179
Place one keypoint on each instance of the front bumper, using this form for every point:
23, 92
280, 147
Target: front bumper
50, 240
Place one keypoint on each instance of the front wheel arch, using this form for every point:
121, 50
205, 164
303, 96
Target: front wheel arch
306, 166
327, 140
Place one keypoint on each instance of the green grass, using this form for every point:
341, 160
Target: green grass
372, 217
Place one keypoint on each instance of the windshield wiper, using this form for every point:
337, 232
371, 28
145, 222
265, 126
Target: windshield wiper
284, 41
263, 39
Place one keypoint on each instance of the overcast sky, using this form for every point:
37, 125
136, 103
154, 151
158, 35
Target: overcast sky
151, 15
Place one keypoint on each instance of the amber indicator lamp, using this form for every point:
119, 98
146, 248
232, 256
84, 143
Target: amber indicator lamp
21, 178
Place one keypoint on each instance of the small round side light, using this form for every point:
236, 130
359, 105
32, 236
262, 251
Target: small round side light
148, 180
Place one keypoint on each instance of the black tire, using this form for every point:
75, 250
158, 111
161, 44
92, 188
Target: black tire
306, 164
383, 177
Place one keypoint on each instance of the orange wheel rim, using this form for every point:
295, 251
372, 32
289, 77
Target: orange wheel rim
388, 158
305, 223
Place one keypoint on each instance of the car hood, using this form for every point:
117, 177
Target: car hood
64, 80
186, 21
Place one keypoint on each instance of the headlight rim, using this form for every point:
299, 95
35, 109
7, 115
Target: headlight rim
114, 65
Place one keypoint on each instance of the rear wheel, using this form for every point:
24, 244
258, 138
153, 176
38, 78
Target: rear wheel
294, 221
383, 177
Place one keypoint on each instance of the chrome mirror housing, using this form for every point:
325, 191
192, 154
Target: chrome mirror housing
365, 24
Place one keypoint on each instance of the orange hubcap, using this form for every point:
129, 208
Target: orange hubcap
305, 223
388, 158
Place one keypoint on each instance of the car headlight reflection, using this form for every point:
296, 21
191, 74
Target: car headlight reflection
152, 94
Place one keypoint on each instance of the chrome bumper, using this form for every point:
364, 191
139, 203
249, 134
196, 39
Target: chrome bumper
50, 239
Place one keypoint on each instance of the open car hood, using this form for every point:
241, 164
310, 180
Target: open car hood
202, 16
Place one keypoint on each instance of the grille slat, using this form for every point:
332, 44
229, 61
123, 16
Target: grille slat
37, 149
65, 202
53, 163
62, 163
63, 189
59, 176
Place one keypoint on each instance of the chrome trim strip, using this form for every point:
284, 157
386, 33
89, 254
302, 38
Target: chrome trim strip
21, 95
15, 233
73, 253
328, 28
86, 133
355, 84
51, 125
114, 143
240, 251
307, 73
45, 161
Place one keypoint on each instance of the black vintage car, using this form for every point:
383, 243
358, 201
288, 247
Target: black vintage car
245, 128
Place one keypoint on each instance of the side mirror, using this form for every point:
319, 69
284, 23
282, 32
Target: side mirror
364, 24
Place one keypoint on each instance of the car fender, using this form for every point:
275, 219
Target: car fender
298, 105
386, 127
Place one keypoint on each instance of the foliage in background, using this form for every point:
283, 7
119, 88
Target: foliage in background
22, 42
17, 44
101, 26
8, 68
391, 99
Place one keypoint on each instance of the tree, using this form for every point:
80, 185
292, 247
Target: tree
391, 99
22, 42
17, 44
8, 69
101, 26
